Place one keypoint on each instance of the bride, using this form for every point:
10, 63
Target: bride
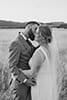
44, 66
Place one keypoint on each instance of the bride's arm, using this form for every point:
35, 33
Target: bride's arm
35, 64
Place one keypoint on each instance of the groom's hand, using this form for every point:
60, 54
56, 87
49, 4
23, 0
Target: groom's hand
31, 82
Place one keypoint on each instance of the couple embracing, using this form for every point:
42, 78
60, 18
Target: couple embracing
34, 68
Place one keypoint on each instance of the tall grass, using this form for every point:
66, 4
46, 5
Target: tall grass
6, 37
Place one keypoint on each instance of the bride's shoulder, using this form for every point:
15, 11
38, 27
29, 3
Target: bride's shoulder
39, 54
43, 50
40, 50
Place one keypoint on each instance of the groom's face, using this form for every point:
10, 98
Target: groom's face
31, 35
32, 31
34, 28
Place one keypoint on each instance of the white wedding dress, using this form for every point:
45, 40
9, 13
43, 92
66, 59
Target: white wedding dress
46, 88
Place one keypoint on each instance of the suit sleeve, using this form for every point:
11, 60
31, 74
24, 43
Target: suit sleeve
14, 54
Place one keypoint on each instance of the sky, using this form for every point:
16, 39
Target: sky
38, 10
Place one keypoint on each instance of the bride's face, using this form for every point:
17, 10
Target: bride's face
37, 37
40, 39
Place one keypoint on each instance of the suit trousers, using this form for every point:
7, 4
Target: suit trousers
20, 91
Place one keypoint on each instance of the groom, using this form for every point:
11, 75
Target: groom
20, 52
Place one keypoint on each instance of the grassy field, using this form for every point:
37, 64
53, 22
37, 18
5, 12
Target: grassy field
7, 35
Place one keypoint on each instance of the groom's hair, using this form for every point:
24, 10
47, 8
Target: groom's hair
32, 22
46, 33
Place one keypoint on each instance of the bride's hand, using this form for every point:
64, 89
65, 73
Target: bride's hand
31, 82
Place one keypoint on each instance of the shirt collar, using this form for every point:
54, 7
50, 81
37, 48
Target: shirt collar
34, 43
21, 33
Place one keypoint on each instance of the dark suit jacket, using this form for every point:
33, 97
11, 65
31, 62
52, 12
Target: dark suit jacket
19, 54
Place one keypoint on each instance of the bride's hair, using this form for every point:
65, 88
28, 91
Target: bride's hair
45, 33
